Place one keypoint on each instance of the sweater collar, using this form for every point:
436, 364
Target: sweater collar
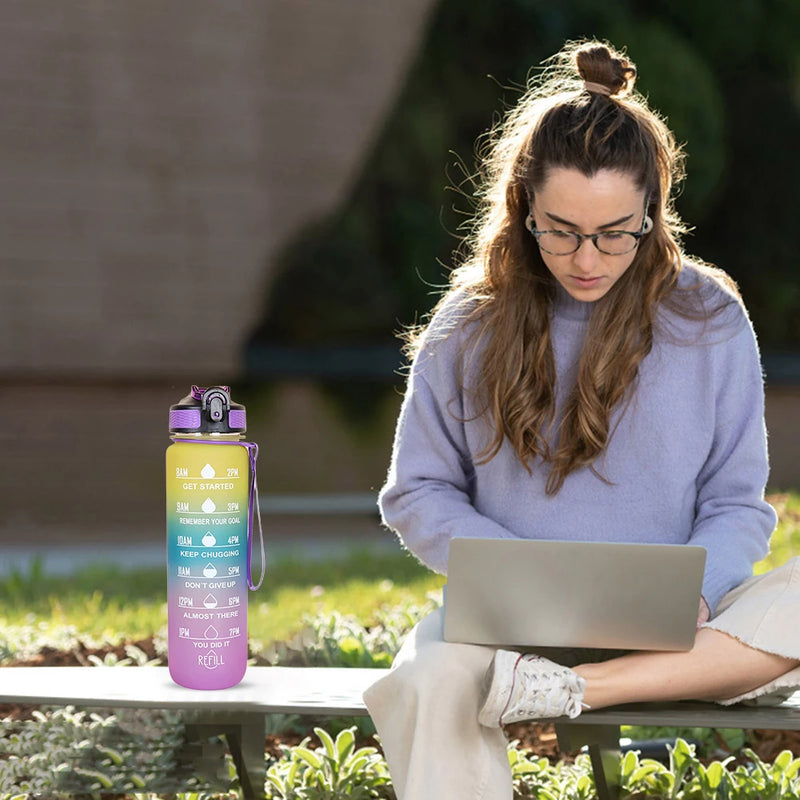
566, 306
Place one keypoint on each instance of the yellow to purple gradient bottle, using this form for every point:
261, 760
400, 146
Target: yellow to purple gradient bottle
208, 492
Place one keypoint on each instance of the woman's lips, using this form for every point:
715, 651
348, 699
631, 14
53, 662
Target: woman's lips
586, 283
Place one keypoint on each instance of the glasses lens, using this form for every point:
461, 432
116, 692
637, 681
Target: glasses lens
616, 243
559, 243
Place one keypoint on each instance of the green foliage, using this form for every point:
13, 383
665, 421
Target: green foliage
334, 771
785, 542
96, 754
711, 742
336, 640
667, 63
106, 605
99, 601
134, 657
538, 778
687, 777
69, 751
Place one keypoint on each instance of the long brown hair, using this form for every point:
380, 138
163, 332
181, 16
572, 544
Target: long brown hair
582, 113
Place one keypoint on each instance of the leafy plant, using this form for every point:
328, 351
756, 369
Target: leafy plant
65, 752
785, 542
74, 751
711, 742
337, 640
135, 656
335, 770
687, 778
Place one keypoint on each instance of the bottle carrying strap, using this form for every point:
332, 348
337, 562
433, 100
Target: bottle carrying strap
252, 506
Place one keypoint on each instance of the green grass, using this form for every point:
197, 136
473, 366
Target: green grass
785, 542
107, 602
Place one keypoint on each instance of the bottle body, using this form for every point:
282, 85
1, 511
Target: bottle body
207, 510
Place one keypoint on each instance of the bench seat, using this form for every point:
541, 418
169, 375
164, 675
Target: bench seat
328, 691
239, 713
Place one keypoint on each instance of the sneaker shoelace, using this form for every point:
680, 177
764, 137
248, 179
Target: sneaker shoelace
549, 693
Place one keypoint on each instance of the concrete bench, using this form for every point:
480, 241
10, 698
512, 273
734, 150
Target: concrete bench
239, 713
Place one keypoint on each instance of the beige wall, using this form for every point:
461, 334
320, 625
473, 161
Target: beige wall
154, 156
86, 460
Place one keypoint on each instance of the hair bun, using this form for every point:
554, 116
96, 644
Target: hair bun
598, 64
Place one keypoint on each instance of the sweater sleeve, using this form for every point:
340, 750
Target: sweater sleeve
733, 521
427, 498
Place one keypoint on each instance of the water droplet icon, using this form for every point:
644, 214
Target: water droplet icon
209, 540
210, 571
210, 601
209, 506
208, 471
211, 632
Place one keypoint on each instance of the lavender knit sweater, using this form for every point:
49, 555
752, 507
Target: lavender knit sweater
687, 462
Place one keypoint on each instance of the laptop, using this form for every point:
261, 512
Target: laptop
533, 593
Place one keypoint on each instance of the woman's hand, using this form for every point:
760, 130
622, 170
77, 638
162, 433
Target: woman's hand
704, 613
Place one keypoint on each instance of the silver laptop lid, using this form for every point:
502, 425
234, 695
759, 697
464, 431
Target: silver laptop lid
528, 593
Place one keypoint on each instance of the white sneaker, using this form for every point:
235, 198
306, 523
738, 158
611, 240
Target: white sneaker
522, 687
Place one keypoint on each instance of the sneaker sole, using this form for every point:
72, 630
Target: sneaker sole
495, 700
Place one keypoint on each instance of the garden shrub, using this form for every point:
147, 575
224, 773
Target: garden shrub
336, 640
71, 751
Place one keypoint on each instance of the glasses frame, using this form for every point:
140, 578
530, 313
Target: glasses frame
581, 237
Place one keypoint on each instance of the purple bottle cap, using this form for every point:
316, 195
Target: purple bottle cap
207, 411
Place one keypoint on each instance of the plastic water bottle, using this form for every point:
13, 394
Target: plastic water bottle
211, 489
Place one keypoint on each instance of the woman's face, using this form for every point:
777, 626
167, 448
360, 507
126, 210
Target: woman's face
570, 201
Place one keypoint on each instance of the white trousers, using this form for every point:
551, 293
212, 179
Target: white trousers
426, 708
426, 713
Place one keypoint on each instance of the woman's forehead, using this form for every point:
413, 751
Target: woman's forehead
568, 193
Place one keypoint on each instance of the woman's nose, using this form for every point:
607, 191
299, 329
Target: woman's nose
586, 256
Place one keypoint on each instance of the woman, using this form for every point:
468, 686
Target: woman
581, 379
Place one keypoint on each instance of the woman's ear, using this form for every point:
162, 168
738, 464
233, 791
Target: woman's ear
529, 218
648, 224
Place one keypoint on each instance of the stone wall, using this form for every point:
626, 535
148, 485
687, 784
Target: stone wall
154, 156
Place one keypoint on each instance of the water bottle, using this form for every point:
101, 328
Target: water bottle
211, 489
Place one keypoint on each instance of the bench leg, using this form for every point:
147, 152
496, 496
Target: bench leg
602, 741
246, 743
245, 734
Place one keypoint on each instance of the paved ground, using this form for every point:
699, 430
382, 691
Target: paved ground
61, 551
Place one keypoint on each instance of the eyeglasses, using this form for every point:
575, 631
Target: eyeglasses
611, 243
